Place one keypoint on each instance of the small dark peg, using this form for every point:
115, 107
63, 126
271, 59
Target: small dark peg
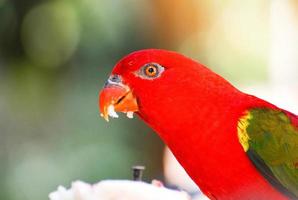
137, 172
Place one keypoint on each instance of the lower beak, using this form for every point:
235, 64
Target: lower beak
117, 97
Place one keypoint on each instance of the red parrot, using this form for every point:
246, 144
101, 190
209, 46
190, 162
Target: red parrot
233, 145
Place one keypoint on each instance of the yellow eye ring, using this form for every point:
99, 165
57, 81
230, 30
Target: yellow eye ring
151, 70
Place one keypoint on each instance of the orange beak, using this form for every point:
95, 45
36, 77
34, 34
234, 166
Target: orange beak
116, 97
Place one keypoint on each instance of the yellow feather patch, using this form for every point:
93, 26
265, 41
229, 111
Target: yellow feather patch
241, 130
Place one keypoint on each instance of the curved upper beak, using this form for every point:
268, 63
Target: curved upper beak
116, 97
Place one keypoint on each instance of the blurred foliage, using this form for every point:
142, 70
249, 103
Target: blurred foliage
56, 55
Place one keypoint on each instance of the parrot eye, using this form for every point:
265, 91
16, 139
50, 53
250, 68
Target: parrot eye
150, 71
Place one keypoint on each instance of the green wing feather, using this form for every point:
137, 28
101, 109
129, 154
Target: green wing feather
271, 142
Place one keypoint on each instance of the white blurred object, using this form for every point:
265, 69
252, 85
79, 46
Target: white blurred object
176, 175
283, 70
282, 87
117, 190
284, 43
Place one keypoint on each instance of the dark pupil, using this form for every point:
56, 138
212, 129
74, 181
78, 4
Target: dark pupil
151, 70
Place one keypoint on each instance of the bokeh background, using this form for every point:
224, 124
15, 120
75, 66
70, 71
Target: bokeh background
56, 55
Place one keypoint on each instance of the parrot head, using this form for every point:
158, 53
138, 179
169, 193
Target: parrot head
144, 80
160, 86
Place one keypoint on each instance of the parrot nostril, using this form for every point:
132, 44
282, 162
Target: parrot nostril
115, 78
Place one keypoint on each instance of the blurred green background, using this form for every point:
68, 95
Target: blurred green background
55, 57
